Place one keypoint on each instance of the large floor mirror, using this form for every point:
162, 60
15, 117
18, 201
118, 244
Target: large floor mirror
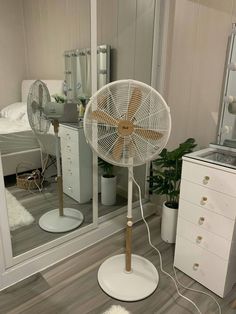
59, 54
25, 153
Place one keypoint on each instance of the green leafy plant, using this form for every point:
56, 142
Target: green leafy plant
166, 172
59, 98
106, 167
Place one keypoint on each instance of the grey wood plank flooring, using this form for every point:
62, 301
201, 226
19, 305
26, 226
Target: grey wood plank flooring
31, 236
71, 286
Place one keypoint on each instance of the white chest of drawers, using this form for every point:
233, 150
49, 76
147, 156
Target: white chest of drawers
206, 234
76, 158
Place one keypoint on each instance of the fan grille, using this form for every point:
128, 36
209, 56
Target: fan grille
38, 97
127, 123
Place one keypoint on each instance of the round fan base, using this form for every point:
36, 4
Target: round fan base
52, 222
136, 285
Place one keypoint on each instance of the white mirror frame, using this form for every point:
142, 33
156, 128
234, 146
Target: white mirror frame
14, 269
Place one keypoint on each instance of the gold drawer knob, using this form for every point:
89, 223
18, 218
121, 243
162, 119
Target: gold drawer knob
206, 179
201, 220
195, 266
203, 200
199, 239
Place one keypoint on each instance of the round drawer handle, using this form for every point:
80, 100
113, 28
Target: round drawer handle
195, 266
203, 200
206, 179
198, 239
70, 188
201, 220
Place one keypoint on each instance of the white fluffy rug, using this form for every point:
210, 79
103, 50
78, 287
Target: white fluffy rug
18, 216
116, 309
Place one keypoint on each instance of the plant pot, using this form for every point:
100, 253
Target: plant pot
108, 190
168, 223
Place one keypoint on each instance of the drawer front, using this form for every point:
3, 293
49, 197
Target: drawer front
201, 265
215, 201
70, 162
206, 219
69, 189
204, 239
69, 147
68, 134
72, 187
211, 178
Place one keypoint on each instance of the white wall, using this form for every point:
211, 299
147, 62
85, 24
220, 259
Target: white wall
12, 51
197, 51
51, 27
128, 27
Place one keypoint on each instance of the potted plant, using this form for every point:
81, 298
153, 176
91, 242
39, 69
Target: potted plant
165, 180
108, 183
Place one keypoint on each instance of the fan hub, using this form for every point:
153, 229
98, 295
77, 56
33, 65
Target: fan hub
125, 128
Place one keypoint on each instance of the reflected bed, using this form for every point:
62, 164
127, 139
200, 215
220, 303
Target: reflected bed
17, 141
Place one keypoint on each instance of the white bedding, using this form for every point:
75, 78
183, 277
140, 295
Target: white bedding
8, 126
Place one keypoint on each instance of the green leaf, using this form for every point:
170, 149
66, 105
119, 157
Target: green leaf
166, 170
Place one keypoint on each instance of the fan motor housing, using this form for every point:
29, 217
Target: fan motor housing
125, 128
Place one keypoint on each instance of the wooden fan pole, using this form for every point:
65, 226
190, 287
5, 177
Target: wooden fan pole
128, 241
55, 124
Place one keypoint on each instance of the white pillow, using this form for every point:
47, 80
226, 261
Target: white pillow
14, 111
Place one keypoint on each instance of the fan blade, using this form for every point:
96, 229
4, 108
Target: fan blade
118, 148
34, 106
102, 116
40, 95
148, 134
134, 103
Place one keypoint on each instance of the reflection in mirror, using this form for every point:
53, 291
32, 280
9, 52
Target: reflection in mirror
78, 72
32, 193
128, 27
29, 196
227, 120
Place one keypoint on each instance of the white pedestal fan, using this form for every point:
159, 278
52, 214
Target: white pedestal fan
127, 123
41, 113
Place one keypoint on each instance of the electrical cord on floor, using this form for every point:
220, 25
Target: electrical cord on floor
175, 280
196, 290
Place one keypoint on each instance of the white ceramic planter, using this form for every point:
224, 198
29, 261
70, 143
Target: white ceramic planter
168, 224
108, 190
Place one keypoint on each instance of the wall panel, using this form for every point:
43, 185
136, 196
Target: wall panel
200, 34
51, 27
12, 51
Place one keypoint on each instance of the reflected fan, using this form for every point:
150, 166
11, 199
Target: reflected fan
41, 113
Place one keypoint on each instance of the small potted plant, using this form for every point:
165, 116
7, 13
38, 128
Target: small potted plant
108, 183
165, 180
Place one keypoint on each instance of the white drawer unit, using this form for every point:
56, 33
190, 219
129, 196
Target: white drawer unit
206, 234
76, 158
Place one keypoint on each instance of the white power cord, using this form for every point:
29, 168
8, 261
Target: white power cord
196, 290
161, 264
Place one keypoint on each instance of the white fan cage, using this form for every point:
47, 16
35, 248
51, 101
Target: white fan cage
37, 119
152, 113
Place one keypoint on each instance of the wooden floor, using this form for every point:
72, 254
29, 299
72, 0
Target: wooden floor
71, 286
31, 236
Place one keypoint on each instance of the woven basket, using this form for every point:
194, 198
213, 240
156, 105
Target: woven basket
27, 180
